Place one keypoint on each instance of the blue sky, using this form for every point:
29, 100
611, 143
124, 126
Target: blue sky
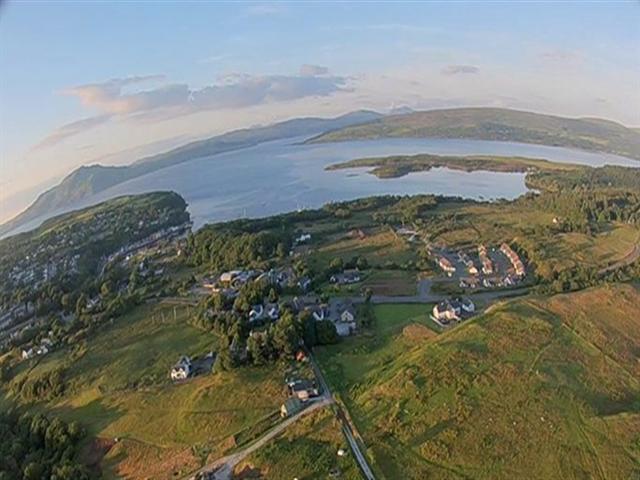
188, 70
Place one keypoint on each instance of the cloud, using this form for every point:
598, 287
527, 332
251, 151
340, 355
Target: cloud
561, 57
460, 70
390, 27
231, 91
313, 70
214, 58
172, 100
248, 90
71, 129
265, 9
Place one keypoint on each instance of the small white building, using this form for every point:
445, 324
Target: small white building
467, 305
256, 313
182, 369
445, 310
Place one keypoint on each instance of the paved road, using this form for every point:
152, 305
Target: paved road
347, 426
224, 466
425, 296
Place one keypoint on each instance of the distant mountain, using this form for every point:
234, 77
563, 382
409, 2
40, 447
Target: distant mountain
89, 180
499, 124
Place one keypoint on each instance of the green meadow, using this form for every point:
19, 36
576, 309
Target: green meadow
534, 388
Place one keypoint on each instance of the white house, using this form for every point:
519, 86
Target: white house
256, 313
28, 353
467, 305
273, 311
182, 369
445, 310
346, 322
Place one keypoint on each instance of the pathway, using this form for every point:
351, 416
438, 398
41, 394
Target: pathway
222, 469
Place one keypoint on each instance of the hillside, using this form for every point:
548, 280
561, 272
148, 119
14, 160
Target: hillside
540, 378
89, 180
499, 124
71, 245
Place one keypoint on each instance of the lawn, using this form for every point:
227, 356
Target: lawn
306, 450
554, 379
120, 387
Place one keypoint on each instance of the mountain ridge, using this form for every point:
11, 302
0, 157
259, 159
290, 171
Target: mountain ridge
499, 124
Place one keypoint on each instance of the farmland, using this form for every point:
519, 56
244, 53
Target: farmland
534, 378
117, 385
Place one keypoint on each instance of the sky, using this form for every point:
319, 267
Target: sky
111, 82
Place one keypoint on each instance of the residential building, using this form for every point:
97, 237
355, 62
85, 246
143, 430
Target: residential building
446, 265
303, 390
182, 369
292, 406
513, 257
446, 311
346, 277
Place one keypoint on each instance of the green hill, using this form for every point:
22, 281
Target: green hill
539, 388
499, 124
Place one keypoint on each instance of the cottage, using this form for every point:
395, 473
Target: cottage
28, 353
228, 277
303, 238
348, 314
304, 390
467, 305
446, 311
319, 312
345, 278
346, 321
292, 406
446, 266
182, 369
304, 284
256, 313
272, 311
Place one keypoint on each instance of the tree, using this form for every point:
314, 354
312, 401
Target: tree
326, 332
106, 288
67, 302
286, 338
81, 304
225, 357
33, 471
256, 349
273, 295
308, 323
336, 265
134, 279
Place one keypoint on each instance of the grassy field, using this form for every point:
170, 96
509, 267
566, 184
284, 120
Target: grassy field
379, 246
397, 327
120, 387
534, 379
391, 282
305, 450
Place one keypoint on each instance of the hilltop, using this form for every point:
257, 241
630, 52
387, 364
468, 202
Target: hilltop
499, 124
